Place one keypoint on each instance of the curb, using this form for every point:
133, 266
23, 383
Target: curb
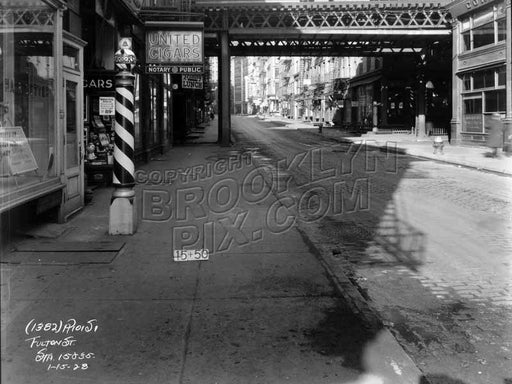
350, 292
405, 151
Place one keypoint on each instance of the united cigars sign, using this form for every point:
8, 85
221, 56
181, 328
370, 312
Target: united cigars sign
176, 48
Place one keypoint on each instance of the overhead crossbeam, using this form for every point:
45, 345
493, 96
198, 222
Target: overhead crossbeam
373, 15
297, 28
316, 47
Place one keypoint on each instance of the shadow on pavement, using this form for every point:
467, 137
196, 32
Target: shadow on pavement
341, 334
440, 379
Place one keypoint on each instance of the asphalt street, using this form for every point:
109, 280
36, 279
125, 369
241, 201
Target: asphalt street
80, 306
427, 244
329, 263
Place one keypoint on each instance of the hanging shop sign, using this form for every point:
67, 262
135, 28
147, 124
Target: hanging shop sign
175, 47
192, 81
100, 81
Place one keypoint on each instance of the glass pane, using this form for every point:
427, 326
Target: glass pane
473, 106
466, 41
466, 80
495, 101
472, 117
478, 80
502, 77
483, 17
502, 101
483, 35
466, 23
489, 79
27, 102
502, 29
71, 125
70, 58
501, 10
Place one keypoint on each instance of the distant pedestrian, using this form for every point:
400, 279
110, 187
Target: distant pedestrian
495, 134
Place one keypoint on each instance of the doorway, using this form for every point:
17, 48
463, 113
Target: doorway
73, 145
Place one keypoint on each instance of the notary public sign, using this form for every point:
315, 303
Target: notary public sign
174, 69
175, 48
192, 82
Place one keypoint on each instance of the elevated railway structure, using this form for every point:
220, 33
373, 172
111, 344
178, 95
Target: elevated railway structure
299, 28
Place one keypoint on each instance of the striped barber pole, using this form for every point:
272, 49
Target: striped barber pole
124, 167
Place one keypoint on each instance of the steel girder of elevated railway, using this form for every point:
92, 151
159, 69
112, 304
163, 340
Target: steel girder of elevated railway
271, 28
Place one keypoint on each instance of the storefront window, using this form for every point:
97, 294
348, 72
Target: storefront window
486, 96
472, 117
473, 106
495, 101
27, 101
483, 35
484, 79
484, 28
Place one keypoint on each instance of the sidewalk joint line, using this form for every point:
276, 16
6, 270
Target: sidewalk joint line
188, 328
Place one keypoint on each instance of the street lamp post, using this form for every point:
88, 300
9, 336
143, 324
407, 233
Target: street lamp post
123, 213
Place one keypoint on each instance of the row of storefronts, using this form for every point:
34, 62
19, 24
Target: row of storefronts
57, 102
383, 92
451, 88
57, 94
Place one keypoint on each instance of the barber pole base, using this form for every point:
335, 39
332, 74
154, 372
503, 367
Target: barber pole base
123, 212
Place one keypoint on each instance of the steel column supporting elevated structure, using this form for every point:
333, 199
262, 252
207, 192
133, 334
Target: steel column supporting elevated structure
295, 28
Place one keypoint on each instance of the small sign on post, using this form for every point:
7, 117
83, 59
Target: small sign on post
107, 106
192, 81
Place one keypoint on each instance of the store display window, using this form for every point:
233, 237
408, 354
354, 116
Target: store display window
27, 109
483, 94
100, 143
484, 28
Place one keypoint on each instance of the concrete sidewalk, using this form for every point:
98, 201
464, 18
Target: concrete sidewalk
466, 156
262, 309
